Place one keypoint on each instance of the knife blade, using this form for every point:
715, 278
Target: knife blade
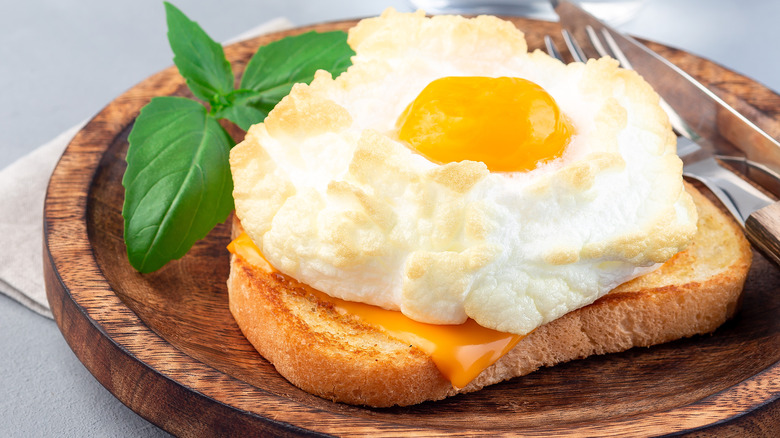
719, 128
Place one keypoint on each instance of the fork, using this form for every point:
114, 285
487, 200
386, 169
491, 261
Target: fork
738, 196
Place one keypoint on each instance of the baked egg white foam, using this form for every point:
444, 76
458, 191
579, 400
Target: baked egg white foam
334, 199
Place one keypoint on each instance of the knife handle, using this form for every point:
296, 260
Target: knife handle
763, 230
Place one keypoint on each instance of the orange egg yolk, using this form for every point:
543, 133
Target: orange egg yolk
460, 352
510, 124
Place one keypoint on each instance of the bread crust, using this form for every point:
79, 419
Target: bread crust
341, 358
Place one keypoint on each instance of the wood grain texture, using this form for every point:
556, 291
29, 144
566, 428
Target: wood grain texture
763, 227
166, 346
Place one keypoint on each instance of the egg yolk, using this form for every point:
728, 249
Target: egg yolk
510, 124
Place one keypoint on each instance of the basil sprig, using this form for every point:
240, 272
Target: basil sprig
177, 183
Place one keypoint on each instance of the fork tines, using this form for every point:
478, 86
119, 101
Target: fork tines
601, 44
596, 46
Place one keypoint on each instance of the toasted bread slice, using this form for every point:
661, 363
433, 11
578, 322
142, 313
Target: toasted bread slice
342, 358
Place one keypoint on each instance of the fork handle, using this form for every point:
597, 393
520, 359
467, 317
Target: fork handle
763, 230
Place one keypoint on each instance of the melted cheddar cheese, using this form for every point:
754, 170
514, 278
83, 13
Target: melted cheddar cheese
461, 352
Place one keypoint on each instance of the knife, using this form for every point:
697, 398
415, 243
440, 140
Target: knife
719, 127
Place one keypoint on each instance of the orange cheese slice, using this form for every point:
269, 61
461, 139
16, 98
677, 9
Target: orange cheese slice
461, 352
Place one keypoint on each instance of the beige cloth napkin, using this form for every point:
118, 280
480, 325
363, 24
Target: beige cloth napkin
22, 192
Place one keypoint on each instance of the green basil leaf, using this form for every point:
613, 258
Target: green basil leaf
177, 183
200, 60
245, 108
274, 68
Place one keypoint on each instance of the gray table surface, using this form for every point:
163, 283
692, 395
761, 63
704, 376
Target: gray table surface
61, 62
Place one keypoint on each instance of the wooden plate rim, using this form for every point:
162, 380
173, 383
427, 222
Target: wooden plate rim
66, 239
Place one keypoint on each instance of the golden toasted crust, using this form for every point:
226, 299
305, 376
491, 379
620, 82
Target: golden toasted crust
334, 356
341, 358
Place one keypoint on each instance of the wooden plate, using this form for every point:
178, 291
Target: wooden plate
166, 345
